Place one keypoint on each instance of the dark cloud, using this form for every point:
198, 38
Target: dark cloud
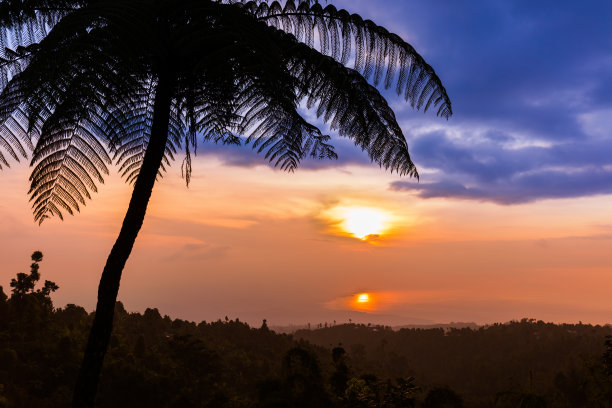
522, 189
520, 66
488, 171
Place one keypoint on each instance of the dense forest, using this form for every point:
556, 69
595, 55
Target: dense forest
560, 365
156, 361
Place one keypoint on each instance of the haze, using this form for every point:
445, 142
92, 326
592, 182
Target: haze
511, 217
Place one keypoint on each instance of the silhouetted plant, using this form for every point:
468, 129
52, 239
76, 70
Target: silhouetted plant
519, 400
24, 295
607, 356
301, 384
442, 397
361, 393
25, 283
3, 305
89, 82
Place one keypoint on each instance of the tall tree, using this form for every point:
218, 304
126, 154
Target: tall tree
87, 83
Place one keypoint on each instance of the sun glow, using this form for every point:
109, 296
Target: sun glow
363, 301
364, 222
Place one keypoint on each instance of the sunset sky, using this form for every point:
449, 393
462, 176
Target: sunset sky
512, 216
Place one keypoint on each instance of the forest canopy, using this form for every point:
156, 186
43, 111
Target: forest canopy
157, 361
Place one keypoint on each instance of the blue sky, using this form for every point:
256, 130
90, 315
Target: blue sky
530, 98
531, 87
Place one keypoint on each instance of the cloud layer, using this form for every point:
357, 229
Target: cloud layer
531, 88
531, 85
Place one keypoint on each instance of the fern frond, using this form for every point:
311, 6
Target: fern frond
23, 24
14, 138
280, 133
378, 54
127, 126
353, 107
69, 161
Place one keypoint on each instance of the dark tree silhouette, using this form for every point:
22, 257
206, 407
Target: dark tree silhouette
442, 397
340, 376
25, 283
301, 384
607, 356
86, 83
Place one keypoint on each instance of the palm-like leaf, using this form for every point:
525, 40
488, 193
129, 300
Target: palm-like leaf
377, 53
22, 27
225, 90
69, 102
353, 107
13, 138
70, 160
93, 82
127, 129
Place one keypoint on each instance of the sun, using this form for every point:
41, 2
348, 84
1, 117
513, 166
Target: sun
363, 222
363, 301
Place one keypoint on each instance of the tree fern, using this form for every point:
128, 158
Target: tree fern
88, 83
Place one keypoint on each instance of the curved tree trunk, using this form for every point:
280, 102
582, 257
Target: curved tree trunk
87, 380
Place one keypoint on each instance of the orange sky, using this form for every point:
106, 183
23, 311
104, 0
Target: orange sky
517, 224
258, 243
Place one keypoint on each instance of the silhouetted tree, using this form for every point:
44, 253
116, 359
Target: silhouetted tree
402, 394
300, 386
144, 78
26, 301
25, 283
361, 393
519, 400
442, 398
340, 376
3, 305
303, 379
607, 356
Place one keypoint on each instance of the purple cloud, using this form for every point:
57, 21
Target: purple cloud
488, 171
522, 75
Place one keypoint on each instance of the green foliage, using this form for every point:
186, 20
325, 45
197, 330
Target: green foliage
359, 393
368, 391
155, 361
